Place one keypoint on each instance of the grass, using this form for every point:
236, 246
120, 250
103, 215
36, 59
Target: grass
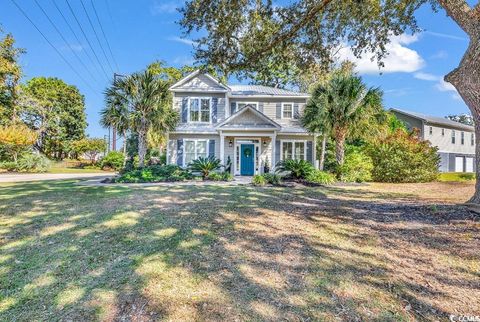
71, 167
456, 177
377, 253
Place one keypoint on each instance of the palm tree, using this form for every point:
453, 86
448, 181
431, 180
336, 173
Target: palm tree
146, 97
116, 115
340, 106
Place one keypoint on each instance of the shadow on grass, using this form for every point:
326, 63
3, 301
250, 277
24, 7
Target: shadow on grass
229, 253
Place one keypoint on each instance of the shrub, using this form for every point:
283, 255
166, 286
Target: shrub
28, 162
259, 180
205, 165
320, 177
356, 168
273, 178
222, 176
297, 169
16, 139
89, 147
113, 160
403, 157
215, 176
156, 173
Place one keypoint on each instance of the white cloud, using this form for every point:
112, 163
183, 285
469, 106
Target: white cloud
425, 76
399, 59
442, 35
183, 41
73, 47
440, 84
160, 7
443, 86
441, 54
183, 60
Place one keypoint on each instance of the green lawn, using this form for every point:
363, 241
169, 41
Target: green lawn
456, 176
186, 253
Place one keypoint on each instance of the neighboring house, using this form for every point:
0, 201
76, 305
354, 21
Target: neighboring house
250, 125
455, 141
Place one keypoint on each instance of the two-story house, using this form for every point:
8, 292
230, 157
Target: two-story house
250, 125
455, 141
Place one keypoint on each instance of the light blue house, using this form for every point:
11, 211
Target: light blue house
252, 126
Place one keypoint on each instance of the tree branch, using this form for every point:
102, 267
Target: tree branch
462, 13
294, 29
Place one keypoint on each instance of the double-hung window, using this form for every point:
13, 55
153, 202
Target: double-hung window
194, 149
472, 139
199, 110
287, 110
453, 136
293, 150
462, 138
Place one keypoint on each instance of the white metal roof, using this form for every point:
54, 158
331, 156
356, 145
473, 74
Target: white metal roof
255, 90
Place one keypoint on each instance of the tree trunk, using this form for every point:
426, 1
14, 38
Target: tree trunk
322, 153
466, 79
340, 134
142, 143
124, 147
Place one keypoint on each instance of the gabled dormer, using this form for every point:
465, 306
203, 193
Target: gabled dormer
199, 82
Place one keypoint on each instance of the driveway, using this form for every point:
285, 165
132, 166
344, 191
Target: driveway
22, 177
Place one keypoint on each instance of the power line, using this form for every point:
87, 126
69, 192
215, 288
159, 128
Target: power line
109, 13
76, 36
86, 38
55, 48
66, 42
104, 35
96, 35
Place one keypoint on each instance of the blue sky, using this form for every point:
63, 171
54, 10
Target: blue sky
142, 31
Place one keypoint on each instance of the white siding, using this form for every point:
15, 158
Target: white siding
444, 142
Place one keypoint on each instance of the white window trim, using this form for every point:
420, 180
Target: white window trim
196, 156
293, 147
246, 103
293, 111
462, 138
453, 137
200, 110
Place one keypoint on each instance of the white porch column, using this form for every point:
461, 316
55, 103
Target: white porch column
314, 151
222, 147
273, 142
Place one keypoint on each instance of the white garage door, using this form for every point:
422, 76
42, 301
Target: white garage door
458, 164
469, 165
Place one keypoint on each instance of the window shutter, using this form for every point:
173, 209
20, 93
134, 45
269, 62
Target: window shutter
296, 112
184, 109
279, 110
260, 107
214, 109
180, 153
310, 151
277, 151
211, 148
232, 107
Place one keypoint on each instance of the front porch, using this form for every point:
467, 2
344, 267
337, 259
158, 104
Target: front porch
249, 153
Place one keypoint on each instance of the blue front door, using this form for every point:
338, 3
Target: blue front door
247, 164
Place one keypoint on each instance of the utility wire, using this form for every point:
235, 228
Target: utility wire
96, 36
109, 13
104, 35
66, 42
55, 48
76, 36
86, 38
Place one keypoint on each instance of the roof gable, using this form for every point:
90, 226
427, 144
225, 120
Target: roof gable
249, 117
434, 119
198, 81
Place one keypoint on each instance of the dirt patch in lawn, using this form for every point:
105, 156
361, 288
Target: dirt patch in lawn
376, 252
